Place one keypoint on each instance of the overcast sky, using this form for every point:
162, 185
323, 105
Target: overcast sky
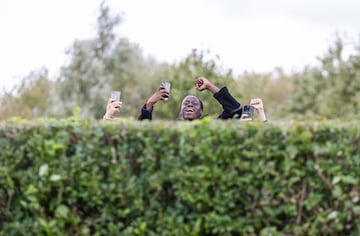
253, 35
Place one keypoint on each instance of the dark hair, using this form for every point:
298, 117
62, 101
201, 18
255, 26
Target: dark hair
201, 104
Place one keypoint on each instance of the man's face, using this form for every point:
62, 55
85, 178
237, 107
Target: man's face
191, 108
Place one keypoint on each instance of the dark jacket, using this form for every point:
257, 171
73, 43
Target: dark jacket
231, 107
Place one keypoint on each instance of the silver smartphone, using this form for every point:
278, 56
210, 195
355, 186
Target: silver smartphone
115, 96
166, 85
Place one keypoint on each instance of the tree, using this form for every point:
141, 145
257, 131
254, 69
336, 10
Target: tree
100, 65
85, 81
29, 99
273, 88
182, 78
332, 90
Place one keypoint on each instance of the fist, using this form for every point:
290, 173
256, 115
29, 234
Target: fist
201, 83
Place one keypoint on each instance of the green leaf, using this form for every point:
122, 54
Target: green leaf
62, 211
55, 178
44, 169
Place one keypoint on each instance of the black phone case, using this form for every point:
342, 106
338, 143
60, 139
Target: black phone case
249, 110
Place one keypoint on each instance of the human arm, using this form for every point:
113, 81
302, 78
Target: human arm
148, 107
259, 107
111, 108
231, 107
202, 83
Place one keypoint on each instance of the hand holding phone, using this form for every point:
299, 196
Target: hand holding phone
115, 96
248, 112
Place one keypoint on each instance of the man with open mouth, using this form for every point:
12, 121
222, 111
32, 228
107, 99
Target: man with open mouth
191, 106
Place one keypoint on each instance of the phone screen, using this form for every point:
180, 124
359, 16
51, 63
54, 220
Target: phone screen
115, 95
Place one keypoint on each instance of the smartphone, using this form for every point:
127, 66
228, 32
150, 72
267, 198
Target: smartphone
248, 111
115, 96
166, 85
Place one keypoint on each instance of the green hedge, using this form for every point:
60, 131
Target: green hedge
209, 177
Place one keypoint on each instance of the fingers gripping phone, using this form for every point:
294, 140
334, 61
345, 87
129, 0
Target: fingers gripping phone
248, 111
166, 85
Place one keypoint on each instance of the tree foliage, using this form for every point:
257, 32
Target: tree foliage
85, 80
29, 99
273, 88
182, 78
103, 64
333, 89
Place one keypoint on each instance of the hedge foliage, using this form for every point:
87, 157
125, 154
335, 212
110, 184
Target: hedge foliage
209, 177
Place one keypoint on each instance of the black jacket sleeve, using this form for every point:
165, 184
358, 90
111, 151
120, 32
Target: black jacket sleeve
230, 106
145, 114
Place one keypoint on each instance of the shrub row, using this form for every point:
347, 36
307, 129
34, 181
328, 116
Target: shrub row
209, 177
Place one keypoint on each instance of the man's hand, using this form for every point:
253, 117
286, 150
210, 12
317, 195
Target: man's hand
244, 117
257, 104
202, 83
259, 107
160, 94
112, 107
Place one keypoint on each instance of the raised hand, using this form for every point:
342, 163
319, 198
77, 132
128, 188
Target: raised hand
160, 94
202, 83
112, 107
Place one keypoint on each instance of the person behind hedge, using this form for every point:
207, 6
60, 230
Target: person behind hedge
258, 107
192, 107
111, 108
